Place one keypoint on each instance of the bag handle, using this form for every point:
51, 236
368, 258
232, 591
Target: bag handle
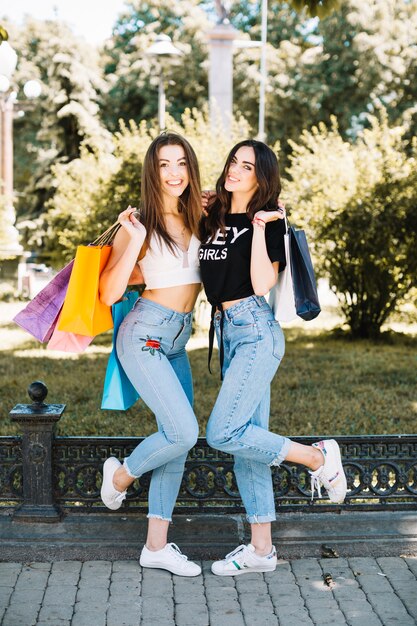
107, 238
287, 225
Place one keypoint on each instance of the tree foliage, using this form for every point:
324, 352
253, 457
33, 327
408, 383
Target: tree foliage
4, 35
316, 8
66, 114
94, 188
8, 233
73, 177
133, 74
359, 203
347, 64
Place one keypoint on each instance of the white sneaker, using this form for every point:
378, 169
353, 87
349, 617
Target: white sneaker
111, 497
330, 475
170, 558
244, 560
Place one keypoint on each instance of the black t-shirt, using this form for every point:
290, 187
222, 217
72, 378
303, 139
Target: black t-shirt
225, 261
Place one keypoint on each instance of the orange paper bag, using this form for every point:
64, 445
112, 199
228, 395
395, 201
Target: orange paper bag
82, 312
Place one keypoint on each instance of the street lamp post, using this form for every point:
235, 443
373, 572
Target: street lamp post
162, 48
263, 72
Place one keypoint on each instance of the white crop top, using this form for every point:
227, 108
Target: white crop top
161, 268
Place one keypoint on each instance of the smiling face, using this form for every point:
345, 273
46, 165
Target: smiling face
241, 175
173, 170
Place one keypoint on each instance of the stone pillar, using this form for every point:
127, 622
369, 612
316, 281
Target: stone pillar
38, 423
11, 248
221, 74
6, 144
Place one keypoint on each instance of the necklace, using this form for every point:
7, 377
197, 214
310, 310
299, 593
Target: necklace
180, 234
180, 237
177, 234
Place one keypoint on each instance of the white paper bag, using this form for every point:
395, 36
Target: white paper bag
281, 296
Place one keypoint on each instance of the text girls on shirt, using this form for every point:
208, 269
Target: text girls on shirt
225, 261
221, 239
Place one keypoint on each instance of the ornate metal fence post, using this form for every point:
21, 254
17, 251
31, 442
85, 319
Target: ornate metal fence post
38, 422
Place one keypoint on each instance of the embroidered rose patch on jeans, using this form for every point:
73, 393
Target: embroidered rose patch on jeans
153, 346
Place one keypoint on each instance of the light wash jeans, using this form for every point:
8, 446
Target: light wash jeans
151, 348
253, 348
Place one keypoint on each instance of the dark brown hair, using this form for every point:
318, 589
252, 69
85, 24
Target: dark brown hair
189, 203
264, 198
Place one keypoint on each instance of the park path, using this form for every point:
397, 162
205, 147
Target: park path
361, 591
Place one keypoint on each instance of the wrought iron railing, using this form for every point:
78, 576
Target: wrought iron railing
381, 472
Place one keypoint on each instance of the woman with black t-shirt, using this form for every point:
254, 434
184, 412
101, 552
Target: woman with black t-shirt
241, 253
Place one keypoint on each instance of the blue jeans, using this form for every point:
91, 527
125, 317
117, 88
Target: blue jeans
253, 348
151, 348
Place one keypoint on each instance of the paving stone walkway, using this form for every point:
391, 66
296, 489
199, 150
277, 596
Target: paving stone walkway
360, 592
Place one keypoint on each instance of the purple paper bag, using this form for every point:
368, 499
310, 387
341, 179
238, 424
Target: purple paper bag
40, 316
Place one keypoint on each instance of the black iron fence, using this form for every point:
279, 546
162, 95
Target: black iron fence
42, 476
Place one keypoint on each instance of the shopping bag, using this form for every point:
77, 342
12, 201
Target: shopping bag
83, 312
39, 317
68, 342
119, 393
303, 280
295, 292
281, 296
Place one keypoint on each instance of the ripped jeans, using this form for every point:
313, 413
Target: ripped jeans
253, 348
151, 348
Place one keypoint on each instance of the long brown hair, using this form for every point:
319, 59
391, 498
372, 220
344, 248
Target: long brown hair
264, 198
189, 203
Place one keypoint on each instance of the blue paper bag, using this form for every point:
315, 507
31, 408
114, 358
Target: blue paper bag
119, 394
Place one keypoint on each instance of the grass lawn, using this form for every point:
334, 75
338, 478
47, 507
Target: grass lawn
326, 384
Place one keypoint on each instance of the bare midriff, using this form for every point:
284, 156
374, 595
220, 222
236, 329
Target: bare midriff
180, 298
229, 303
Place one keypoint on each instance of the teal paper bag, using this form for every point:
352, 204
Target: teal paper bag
119, 394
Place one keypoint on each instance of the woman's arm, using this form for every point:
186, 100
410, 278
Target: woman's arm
125, 251
263, 272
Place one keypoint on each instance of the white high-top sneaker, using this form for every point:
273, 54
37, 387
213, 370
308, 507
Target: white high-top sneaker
331, 474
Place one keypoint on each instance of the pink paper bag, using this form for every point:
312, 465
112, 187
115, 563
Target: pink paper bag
68, 342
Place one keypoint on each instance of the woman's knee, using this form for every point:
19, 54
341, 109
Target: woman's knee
188, 437
216, 436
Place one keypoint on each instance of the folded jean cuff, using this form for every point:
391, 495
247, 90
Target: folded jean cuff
128, 472
283, 453
154, 516
261, 519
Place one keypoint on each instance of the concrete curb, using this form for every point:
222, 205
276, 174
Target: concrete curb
297, 535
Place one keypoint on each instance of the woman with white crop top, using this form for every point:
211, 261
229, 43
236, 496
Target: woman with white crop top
151, 339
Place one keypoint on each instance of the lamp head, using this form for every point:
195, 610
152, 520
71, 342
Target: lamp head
163, 46
8, 59
32, 89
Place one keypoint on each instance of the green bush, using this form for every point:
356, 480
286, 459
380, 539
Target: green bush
358, 202
7, 293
